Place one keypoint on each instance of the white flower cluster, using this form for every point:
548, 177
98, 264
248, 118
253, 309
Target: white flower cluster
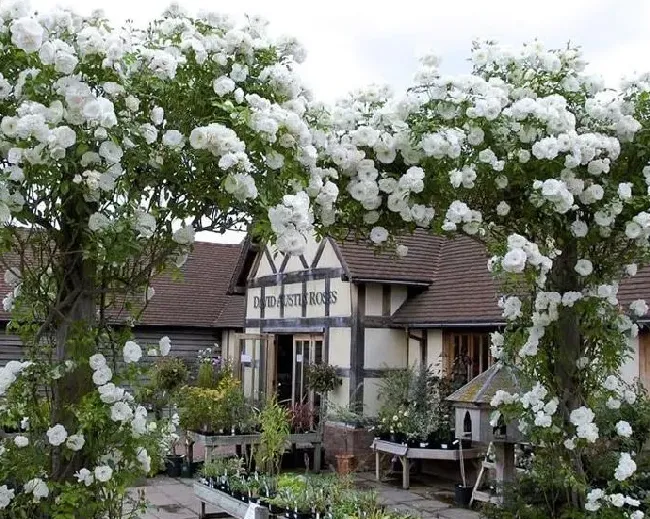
292, 222
583, 419
596, 497
9, 373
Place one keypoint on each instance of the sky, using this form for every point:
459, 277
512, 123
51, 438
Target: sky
353, 43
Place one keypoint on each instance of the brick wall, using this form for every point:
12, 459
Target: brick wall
358, 443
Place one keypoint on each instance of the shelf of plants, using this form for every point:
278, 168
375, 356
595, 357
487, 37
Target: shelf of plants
226, 484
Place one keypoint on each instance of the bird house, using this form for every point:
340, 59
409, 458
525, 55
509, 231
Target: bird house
472, 409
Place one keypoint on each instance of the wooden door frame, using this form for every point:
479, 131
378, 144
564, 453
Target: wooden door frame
267, 353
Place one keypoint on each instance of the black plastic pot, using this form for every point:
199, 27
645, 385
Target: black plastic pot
174, 465
462, 495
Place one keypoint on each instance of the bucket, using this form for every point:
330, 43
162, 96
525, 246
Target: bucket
462, 495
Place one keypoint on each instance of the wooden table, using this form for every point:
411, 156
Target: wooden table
406, 454
231, 506
212, 442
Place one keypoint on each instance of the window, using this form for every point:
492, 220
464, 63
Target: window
467, 354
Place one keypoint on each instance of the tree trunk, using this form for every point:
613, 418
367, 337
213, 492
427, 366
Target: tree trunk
74, 328
564, 278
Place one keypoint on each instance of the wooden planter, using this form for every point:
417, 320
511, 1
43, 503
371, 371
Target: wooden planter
233, 507
211, 442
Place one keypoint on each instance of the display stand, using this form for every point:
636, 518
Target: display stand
406, 454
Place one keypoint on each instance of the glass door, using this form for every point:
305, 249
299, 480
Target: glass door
307, 349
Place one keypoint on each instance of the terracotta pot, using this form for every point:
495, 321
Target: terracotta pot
345, 463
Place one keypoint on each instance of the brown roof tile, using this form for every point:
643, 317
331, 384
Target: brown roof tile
197, 298
419, 265
463, 291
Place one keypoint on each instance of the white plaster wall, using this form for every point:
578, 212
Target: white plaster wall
373, 299
630, 368
295, 310
272, 312
315, 286
251, 311
397, 297
434, 350
329, 259
342, 307
339, 347
293, 265
341, 395
415, 348
264, 268
385, 347
371, 401
310, 250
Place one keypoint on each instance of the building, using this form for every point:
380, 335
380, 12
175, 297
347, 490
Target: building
367, 313
195, 311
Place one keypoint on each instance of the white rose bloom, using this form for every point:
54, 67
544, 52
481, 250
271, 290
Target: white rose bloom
24, 423
639, 307
75, 442
111, 152
157, 115
503, 208
6, 495
223, 85
173, 139
584, 267
626, 467
103, 473
378, 235
121, 412
514, 261
102, 375
27, 34
145, 460
165, 346
97, 361
98, 222
56, 435
184, 235
631, 269
149, 132
132, 352
84, 476
624, 429
21, 441
401, 251
37, 488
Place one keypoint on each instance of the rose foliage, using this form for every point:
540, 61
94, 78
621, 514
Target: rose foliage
112, 136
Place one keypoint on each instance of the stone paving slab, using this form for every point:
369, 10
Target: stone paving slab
174, 499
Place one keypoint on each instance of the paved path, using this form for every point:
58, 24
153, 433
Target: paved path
174, 499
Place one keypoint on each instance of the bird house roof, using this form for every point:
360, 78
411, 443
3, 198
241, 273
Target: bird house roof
480, 390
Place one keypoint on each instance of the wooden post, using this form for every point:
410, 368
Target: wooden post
505, 462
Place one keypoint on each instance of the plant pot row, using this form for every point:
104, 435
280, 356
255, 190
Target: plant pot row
263, 501
429, 443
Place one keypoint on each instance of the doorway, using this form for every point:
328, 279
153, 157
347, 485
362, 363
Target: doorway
284, 373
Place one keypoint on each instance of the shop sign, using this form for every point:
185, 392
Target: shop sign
289, 300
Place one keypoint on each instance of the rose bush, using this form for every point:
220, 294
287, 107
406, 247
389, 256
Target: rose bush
117, 145
551, 171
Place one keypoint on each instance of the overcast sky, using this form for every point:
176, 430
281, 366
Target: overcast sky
352, 43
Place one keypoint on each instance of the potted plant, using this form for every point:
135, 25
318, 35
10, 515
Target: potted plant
351, 419
274, 420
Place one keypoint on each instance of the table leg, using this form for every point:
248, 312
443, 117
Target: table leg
405, 472
207, 456
377, 466
202, 512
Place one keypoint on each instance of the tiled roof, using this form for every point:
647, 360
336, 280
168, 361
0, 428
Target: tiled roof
418, 266
198, 297
233, 313
462, 292
481, 389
